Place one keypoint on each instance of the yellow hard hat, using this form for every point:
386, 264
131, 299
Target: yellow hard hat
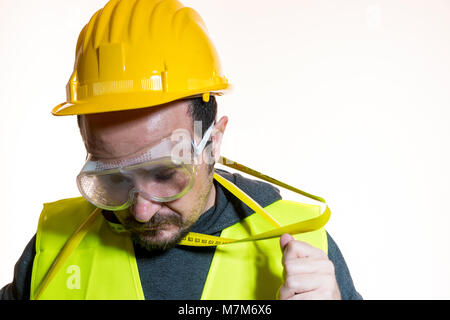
140, 53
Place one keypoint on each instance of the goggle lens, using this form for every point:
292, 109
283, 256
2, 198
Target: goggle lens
114, 189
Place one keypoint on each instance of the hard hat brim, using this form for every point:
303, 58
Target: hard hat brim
127, 101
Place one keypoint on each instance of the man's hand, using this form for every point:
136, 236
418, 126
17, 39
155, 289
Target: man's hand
308, 273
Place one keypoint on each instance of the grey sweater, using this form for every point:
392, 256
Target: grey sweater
180, 273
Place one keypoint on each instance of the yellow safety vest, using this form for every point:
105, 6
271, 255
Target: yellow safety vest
104, 266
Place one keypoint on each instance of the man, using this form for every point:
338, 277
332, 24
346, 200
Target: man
156, 220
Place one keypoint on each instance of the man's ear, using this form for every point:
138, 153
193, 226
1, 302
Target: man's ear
217, 136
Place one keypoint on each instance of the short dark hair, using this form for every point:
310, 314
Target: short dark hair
206, 112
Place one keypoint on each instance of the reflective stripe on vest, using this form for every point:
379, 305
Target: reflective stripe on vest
104, 265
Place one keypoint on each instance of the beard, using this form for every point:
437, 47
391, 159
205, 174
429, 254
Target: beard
159, 240
162, 232
149, 240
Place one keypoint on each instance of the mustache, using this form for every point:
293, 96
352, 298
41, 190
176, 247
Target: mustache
159, 219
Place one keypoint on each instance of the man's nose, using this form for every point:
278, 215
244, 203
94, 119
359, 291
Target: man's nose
143, 210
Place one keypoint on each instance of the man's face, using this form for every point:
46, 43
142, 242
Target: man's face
119, 136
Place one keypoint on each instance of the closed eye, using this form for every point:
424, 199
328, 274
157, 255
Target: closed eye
118, 178
165, 175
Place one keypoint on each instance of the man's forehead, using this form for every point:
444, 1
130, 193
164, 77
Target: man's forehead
118, 134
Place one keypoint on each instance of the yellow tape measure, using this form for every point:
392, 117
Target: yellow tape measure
203, 240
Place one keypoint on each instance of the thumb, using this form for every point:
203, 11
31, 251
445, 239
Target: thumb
285, 239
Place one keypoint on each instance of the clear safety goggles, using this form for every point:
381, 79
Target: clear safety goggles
163, 173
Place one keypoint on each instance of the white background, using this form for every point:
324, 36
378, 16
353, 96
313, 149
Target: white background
348, 100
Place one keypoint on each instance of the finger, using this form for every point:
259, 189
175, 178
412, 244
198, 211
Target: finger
284, 239
285, 293
310, 295
317, 295
297, 284
300, 249
308, 265
313, 295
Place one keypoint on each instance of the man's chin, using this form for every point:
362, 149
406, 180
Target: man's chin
159, 239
